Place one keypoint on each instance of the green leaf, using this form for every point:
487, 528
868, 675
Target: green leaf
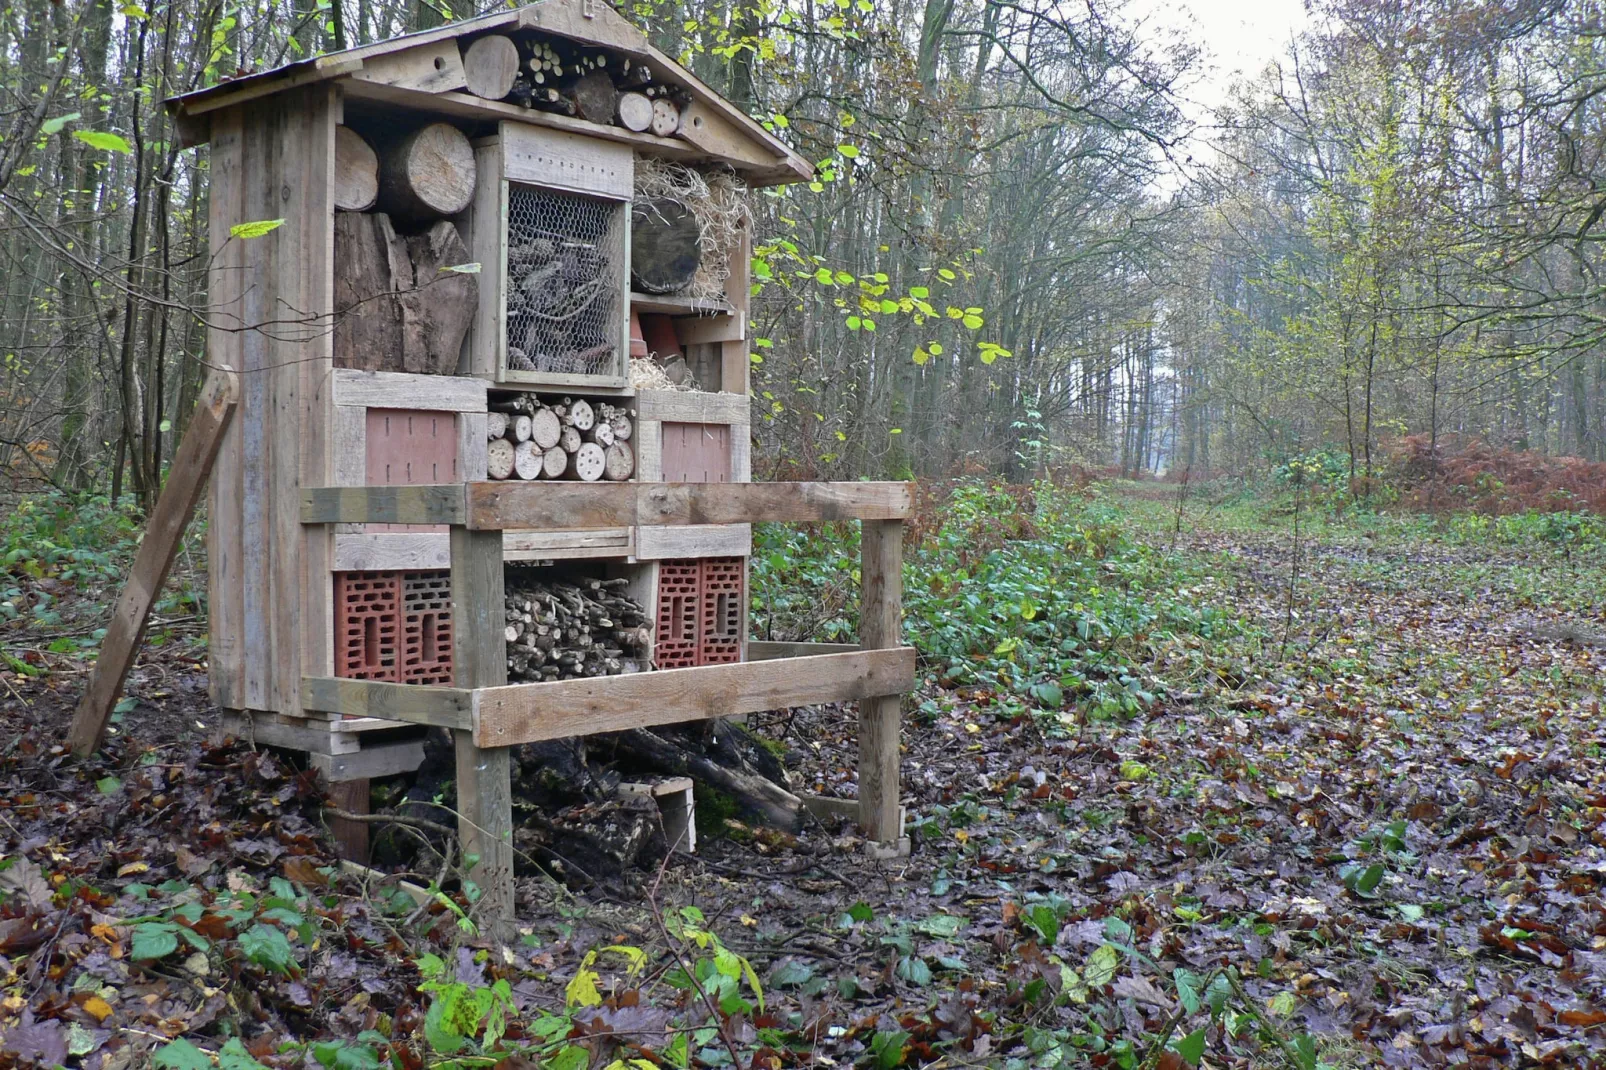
255, 229
850, 151
824, 276
913, 968
1101, 966
921, 356
53, 126
1191, 1047
180, 1054
108, 785
233, 1056
267, 947
920, 292
1410, 912
861, 912
344, 1055
165, 426
1041, 917
971, 320
791, 974
943, 925
100, 139
154, 940
1362, 880
946, 274
573, 1057
1281, 1005
582, 990
1187, 991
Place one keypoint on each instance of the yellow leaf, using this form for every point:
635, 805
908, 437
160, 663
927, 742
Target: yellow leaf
98, 1007
582, 990
132, 868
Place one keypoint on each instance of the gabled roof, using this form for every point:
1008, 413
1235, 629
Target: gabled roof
423, 71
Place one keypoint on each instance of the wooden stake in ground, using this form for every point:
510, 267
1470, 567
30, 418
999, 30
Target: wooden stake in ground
356, 171
185, 481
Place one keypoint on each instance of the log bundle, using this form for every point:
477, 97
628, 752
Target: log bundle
398, 307
558, 76
567, 439
562, 630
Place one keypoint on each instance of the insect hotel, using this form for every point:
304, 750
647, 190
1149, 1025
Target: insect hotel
482, 461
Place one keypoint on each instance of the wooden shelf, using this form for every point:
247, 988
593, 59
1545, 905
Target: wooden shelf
679, 306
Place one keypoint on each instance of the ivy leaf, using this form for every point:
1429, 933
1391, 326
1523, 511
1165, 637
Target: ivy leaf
255, 228
100, 139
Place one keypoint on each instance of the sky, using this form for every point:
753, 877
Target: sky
1238, 37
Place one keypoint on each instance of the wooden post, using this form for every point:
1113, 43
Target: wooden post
484, 775
186, 479
880, 626
351, 837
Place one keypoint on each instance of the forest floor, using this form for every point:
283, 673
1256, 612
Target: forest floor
1362, 827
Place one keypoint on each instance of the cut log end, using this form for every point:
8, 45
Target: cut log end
500, 457
665, 120
490, 65
356, 171
590, 462
635, 112
428, 174
619, 462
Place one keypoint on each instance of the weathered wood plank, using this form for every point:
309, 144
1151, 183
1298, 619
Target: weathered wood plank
444, 707
693, 407
384, 759
880, 625
527, 713
704, 540
186, 480
581, 507
432, 503
484, 773
403, 390
767, 650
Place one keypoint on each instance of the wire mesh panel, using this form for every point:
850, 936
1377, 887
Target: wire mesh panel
565, 282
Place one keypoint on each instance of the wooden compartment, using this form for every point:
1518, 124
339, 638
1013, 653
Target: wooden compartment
551, 232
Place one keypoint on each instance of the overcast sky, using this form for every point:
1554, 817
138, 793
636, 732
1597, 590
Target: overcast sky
1238, 36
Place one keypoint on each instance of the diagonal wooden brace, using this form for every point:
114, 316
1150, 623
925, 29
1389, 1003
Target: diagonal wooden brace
186, 478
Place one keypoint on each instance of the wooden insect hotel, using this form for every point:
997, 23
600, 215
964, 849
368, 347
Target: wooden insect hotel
489, 465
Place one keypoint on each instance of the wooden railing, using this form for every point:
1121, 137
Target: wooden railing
488, 716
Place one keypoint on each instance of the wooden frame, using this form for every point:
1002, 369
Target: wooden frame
487, 716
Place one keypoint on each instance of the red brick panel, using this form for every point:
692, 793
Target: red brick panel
679, 607
426, 648
367, 624
720, 639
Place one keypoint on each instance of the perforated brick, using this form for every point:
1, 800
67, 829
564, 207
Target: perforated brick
679, 609
367, 624
426, 627
719, 639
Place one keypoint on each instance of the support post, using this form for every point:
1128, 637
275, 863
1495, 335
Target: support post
880, 626
186, 478
484, 775
351, 837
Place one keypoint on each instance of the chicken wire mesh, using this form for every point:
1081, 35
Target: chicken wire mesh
565, 275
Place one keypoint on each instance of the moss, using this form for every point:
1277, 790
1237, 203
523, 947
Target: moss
716, 811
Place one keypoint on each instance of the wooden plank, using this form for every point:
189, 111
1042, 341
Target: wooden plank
527, 713
707, 540
385, 759
429, 67
245, 90
697, 330
487, 223
444, 707
434, 503
186, 479
351, 837
649, 443
312, 549
404, 390
484, 773
765, 649
673, 305
260, 728
567, 161
693, 407
471, 447
880, 626
581, 507
391, 550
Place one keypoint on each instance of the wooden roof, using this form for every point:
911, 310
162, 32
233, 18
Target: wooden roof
423, 72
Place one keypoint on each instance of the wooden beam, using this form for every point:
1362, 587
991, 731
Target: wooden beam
528, 713
186, 479
484, 772
763, 650
517, 506
433, 503
880, 625
443, 707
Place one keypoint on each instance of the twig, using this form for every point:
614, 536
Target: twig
674, 949
391, 819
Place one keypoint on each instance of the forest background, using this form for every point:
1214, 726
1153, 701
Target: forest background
1020, 254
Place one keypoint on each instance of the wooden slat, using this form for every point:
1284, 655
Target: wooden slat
444, 707
434, 503
765, 650
376, 760
704, 540
880, 625
580, 507
693, 407
527, 713
186, 480
404, 390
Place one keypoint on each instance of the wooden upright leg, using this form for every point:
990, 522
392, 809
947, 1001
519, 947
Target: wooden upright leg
351, 837
484, 778
880, 626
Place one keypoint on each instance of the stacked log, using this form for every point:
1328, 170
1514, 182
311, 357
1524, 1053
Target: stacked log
567, 439
559, 630
557, 76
